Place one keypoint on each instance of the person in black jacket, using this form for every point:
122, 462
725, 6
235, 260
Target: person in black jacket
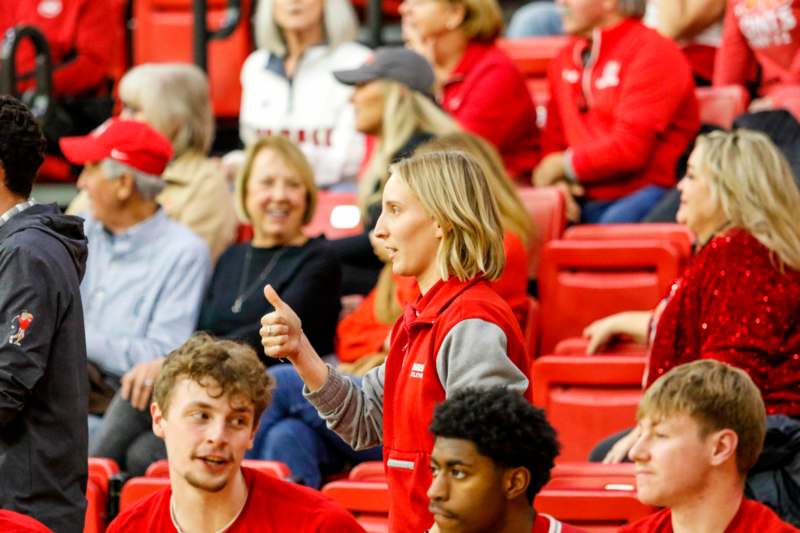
43, 385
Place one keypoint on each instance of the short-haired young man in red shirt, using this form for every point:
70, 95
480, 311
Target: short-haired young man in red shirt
703, 426
492, 455
207, 399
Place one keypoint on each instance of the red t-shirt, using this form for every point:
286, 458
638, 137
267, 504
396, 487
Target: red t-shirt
11, 522
272, 505
752, 517
762, 32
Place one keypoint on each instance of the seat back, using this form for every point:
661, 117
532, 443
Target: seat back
677, 235
587, 399
718, 106
368, 471
163, 33
100, 471
138, 488
582, 281
546, 207
592, 509
96, 504
273, 468
337, 215
532, 55
368, 501
593, 476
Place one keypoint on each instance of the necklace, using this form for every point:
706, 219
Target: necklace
243, 293
224, 528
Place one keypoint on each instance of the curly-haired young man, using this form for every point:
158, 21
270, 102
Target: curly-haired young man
43, 386
493, 454
207, 401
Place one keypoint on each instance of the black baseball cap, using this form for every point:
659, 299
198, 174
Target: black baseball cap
392, 63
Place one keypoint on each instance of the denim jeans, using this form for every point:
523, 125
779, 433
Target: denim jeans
631, 208
537, 19
291, 431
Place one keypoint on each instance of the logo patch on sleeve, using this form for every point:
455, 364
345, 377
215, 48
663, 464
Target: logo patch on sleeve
19, 327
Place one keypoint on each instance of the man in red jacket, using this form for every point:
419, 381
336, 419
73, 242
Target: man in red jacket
702, 428
622, 110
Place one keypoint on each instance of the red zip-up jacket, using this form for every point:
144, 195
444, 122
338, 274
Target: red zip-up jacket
486, 94
760, 32
82, 35
434, 328
626, 112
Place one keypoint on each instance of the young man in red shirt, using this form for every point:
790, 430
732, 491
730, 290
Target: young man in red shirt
207, 399
493, 454
622, 110
702, 428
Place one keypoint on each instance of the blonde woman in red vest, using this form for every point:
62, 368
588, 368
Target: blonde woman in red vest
440, 224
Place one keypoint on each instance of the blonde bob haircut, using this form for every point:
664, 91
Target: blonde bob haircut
174, 99
483, 19
717, 396
292, 156
513, 215
756, 189
453, 189
339, 24
405, 112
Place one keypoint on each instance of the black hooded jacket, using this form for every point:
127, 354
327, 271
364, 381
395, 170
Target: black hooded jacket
43, 377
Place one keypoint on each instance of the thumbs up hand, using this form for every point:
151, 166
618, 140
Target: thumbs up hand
281, 330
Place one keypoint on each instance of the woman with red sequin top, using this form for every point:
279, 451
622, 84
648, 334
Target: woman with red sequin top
738, 301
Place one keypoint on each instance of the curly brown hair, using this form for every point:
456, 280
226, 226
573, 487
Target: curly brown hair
225, 366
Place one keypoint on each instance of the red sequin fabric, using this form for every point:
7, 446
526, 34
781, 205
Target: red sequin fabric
734, 305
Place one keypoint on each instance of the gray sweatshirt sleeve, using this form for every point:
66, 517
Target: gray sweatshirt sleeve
355, 413
474, 353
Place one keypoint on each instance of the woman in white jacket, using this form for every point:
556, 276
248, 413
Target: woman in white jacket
288, 88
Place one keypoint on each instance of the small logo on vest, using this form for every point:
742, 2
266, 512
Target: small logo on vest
19, 327
417, 369
610, 76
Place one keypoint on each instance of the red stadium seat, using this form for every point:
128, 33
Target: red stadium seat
546, 207
272, 468
677, 235
163, 33
587, 398
579, 345
532, 55
593, 476
593, 510
581, 281
368, 501
100, 471
337, 215
720, 105
138, 488
368, 471
96, 503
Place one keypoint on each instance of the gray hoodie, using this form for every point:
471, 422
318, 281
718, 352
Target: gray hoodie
43, 377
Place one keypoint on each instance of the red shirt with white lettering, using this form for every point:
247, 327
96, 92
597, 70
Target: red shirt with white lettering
762, 32
273, 506
752, 517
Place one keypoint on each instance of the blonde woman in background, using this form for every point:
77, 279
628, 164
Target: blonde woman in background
393, 101
173, 98
288, 89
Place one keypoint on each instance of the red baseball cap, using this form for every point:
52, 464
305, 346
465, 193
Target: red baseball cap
129, 142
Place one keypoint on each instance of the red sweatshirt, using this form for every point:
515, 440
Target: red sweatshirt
626, 112
762, 32
486, 94
82, 35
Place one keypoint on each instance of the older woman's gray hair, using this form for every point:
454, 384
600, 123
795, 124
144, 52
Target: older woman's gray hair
338, 20
632, 8
174, 99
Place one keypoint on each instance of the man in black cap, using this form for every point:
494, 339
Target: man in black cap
43, 386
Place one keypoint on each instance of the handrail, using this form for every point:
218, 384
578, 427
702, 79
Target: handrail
42, 97
202, 35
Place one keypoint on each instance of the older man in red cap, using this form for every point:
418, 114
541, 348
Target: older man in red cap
146, 274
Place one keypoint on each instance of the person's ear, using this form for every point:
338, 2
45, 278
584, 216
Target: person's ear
515, 482
126, 185
457, 12
253, 435
723, 445
158, 420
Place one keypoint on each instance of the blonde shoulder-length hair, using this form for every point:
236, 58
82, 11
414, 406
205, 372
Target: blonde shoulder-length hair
292, 156
339, 23
756, 189
174, 99
453, 189
513, 215
405, 112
